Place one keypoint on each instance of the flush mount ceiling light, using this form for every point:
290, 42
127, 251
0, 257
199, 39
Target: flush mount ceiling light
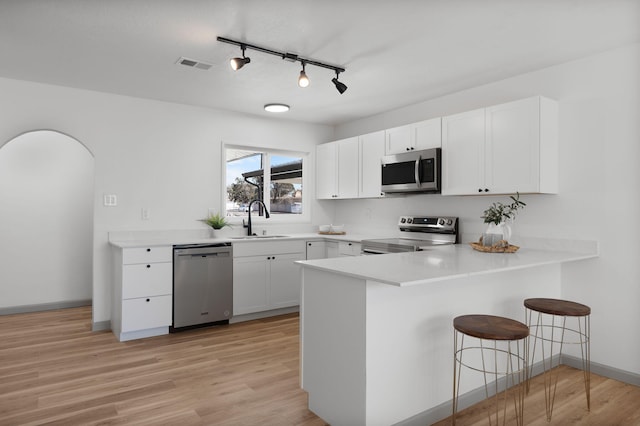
303, 80
237, 63
276, 107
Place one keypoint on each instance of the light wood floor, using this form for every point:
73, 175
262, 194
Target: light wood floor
54, 370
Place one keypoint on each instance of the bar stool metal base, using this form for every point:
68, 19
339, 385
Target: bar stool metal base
549, 326
498, 354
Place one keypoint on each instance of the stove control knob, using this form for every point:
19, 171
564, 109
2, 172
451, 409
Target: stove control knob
409, 220
441, 222
403, 220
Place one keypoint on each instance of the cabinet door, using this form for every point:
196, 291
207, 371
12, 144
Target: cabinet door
250, 285
398, 140
427, 134
348, 162
316, 250
463, 138
346, 248
326, 171
332, 249
285, 280
512, 155
371, 153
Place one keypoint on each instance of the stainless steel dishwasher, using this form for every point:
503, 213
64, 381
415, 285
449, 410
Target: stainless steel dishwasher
202, 285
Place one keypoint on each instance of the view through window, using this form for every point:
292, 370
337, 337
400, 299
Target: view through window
280, 190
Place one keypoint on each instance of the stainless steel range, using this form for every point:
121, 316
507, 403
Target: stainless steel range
419, 232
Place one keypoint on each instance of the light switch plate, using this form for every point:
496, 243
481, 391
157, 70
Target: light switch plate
110, 200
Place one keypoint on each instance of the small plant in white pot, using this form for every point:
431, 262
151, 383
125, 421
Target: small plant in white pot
216, 222
498, 217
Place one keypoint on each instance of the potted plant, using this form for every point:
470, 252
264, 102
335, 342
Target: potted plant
497, 216
216, 222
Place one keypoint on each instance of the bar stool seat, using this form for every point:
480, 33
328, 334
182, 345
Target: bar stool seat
493, 329
545, 330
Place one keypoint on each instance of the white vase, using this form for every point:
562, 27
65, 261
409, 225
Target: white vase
495, 233
216, 233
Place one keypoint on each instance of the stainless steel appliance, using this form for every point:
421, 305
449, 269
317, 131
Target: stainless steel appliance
414, 171
419, 233
202, 285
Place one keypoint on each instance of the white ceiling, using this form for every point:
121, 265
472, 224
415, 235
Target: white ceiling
396, 53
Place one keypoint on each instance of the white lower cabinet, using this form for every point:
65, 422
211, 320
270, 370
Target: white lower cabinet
316, 249
346, 248
265, 276
142, 297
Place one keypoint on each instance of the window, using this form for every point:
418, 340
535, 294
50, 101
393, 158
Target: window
281, 190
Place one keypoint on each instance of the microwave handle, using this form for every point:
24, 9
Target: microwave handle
417, 172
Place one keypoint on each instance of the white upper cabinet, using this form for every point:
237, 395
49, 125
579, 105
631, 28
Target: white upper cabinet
416, 136
501, 149
326, 171
337, 169
348, 151
371, 153
350, 168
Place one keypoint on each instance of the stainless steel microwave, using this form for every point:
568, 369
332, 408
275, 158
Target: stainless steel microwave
415, 171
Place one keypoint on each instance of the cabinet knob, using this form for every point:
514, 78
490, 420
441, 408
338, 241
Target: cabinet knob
479, 189
350, 244
486, 190
412, 148
148, 266
407, 149
148, 250
148, 300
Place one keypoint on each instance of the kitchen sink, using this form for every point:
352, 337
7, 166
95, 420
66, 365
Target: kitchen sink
258, 237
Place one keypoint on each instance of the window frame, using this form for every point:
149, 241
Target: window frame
304, 217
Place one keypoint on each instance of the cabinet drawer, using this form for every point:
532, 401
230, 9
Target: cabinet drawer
265, 248
349, 249
151, 279
146, 312
147, 254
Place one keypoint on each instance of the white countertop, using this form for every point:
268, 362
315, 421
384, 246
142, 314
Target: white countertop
440, 263
162, 238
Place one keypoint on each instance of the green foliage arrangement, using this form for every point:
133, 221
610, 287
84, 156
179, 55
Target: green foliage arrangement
499, 212
216, 221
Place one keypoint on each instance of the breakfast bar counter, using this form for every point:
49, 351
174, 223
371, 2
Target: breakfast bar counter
376, 331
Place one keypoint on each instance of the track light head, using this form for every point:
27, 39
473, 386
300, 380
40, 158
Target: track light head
339, 85
303, 80
237, 63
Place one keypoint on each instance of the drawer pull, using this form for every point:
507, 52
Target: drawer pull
148, 266
148, 300
148, 250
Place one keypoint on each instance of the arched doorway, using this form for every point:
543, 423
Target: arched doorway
46, 222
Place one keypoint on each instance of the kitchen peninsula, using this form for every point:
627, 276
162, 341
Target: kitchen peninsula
377, 333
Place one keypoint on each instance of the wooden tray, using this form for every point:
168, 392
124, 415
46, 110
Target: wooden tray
501, 246
332, 233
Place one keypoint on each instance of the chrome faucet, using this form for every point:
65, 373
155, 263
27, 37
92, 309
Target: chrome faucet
248, 225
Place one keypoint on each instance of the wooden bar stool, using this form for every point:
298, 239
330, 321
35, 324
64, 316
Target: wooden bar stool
486, 357
546, 330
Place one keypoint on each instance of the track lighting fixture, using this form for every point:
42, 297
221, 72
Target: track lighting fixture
237, 63
339, 85
303, 80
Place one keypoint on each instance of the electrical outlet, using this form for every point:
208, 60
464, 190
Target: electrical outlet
145, 214
110, 200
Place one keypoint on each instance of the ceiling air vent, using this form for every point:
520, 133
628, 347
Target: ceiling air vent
193, 63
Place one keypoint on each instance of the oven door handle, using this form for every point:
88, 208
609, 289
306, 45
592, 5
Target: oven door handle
416, 171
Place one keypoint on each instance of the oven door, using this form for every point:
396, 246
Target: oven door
412, 172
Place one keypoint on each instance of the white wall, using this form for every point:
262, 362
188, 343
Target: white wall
46, 220
599, 100
160, 156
